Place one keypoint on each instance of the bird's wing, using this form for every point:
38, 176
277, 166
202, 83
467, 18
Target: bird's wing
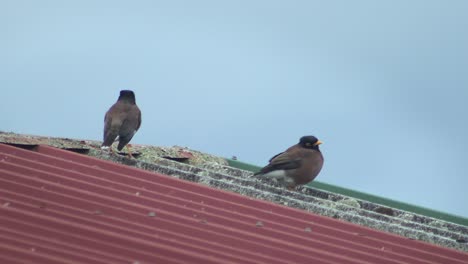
139, 119
129, 127
272, 158
112, 123
107, 137
281, 161
130, 123
107, 122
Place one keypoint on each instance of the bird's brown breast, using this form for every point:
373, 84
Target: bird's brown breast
311, 164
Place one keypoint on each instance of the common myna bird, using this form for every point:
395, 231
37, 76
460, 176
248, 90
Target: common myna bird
122, 121
298, 165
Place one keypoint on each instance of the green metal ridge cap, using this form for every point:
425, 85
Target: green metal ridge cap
368, 197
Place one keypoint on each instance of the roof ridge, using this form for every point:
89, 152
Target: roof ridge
388, 202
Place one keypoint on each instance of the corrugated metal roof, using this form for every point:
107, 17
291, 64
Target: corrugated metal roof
61, 207
369, 210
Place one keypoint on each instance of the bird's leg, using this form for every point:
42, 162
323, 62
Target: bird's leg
129, 150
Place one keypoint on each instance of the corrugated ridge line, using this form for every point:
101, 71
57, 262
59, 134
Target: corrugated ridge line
299, 231
276, 225
280, 210
18, 177
273, 225
34, 239
11, 197
300, 249
63, 236
48, 250
26, 256
13, 260
444, 233
12, 216
459, 220
321, 202
137, 230
306, 199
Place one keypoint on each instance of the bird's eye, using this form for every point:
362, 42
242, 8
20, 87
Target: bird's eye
308, 144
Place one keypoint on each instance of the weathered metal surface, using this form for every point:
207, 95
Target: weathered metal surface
57, 206
212, 171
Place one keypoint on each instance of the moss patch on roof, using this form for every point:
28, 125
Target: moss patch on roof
142, 152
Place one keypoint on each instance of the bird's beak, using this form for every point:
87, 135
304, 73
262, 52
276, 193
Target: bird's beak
318, 143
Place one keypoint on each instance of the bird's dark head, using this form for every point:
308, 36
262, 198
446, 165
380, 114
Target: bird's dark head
310, 142
127, 95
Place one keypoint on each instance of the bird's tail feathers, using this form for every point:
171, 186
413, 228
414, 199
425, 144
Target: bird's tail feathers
110, 136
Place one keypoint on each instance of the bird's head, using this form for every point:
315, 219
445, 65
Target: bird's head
309, 142
127, 95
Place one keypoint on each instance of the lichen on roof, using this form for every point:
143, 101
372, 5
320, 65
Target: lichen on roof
142, 152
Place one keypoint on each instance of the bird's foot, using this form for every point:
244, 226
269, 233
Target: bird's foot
108, 148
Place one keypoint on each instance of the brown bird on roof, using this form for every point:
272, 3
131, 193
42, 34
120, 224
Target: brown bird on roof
122, 121
298, 165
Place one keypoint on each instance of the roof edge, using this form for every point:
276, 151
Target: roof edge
368, 197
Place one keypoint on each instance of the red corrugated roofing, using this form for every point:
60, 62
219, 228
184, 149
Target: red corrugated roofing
61, 207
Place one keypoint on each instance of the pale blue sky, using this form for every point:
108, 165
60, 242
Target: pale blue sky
383, 84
